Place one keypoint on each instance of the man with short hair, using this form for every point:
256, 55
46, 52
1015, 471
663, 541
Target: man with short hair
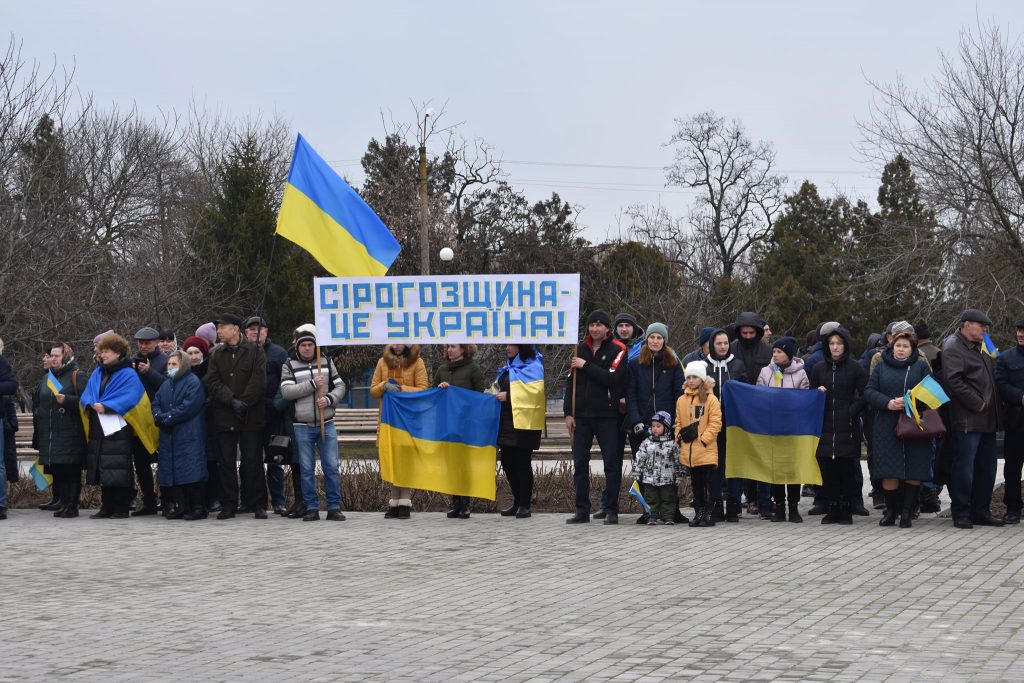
597, 381
968, 375
236, 383
314, 388
151, 364
258, 332
1010, 381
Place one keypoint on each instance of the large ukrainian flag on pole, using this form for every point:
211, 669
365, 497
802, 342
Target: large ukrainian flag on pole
772, 434
440, 440
324, 216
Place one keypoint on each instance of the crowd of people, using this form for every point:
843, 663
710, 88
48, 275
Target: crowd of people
228, 410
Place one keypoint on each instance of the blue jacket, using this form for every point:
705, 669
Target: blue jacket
652, 388
178, 411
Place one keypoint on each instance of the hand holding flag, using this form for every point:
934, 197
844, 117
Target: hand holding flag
929, 392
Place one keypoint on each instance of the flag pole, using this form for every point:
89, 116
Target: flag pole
320, 393
266, 282
573, 430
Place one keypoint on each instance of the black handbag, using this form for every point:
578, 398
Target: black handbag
279, 450
931, 427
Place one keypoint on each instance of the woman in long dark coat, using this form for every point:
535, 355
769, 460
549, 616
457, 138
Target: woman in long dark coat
897, 461
178, 411
843, 380
517, 445
60, 437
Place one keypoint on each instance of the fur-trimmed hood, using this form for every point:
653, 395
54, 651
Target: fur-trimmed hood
406, 360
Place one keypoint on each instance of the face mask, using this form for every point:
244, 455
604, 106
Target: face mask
171, 372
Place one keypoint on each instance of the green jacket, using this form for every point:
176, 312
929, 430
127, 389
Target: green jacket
58, 428
463, 373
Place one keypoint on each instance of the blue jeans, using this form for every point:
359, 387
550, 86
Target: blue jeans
307, 442
973, 474
275, 482
3, 475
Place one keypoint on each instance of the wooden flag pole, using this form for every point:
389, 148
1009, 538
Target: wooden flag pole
574, 378
320, 394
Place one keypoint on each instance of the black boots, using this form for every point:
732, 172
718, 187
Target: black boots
909, 503
794, 513
717, 512
69, 493
845, 512
732, 512
892, 506
832, 516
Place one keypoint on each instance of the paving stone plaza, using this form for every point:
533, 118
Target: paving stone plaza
498, 599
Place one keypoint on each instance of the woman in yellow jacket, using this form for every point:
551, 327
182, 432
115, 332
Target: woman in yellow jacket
698, 422
399, 369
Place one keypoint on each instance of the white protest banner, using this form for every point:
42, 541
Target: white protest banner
447, 309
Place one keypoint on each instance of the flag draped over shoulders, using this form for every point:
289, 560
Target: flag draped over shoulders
124, 395
327, 218
441, 440
772, 434
526, 391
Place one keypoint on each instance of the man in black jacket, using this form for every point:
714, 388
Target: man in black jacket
8, 387
151, 364
258, 332
968, 375
749, 345
236, 383
597, 381
1010, 381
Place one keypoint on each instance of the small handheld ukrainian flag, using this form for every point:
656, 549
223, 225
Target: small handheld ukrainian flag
988, 347
634, 491
776, 375
40, 478
327, 218
52, 383
929, 392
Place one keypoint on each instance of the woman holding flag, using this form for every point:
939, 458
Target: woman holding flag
460, 370
897, 462
115, 408
520, 385
61, 440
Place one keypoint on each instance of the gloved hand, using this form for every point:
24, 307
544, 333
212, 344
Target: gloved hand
639, 428
240, 410
392, 385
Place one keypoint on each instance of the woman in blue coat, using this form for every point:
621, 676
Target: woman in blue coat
178, 412
655, 382
897, 461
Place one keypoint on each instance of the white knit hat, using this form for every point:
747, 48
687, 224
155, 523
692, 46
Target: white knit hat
696, 368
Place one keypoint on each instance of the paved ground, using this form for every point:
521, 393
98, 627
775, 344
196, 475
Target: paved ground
497, 599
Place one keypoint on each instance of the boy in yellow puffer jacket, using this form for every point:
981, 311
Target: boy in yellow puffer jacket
698, 422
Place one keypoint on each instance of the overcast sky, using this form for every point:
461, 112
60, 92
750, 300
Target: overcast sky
569, 93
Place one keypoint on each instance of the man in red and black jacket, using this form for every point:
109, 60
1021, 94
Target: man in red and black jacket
597, 380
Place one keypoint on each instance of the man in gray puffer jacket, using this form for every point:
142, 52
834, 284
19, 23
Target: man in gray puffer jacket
313, 386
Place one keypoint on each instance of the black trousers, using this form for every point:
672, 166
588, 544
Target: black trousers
606, 432
251, 446
701, 479
780, 492
839, 478
519, 472
1013, 464
115, 498
143, 461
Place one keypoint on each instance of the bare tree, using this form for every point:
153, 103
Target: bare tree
740, 194
964, 136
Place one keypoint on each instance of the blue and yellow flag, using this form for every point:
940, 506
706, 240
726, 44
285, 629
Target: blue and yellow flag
440, 440
634, 491
929, 392
526, 389
52, 383
324, 216
988, 347
124, 395
41, 479
772, 434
